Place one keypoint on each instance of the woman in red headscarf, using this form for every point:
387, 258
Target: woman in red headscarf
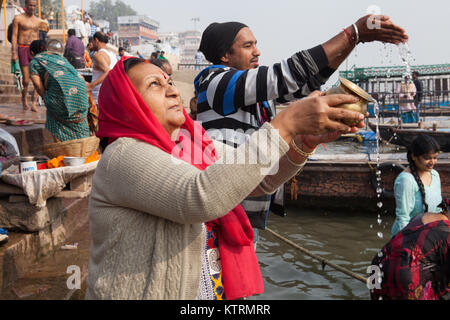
164, 209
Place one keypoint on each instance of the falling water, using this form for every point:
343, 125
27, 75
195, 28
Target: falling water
405, 56
379, 189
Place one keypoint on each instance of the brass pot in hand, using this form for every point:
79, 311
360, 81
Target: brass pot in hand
348, 87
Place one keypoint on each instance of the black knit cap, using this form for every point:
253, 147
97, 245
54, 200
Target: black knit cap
218, 38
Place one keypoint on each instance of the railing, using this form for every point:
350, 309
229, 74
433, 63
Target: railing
193, 66
436, 99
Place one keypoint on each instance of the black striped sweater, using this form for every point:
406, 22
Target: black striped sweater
230, 102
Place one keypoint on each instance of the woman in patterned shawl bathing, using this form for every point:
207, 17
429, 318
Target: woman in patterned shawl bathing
63, 90
415, 264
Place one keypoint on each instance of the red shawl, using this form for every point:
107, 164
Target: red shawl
123, 113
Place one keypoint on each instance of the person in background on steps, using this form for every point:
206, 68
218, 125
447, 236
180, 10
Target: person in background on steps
74, 50
419, 93
415, 264
44, 28
63, 90
103, 61
406, 93
25, 31
193, 107
121, 52
194, 240
418, 188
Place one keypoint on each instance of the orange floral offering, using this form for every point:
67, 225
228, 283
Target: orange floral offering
92, 158
56, 162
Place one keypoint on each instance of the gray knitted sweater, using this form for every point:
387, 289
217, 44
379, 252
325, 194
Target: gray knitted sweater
146, 213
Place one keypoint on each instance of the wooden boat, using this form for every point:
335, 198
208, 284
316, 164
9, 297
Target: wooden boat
429, 112
403, 135
348, 182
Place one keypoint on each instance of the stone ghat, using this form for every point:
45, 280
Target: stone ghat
36, 235
25, 249
30, 138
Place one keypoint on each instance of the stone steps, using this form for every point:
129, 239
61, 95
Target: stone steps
30, 138
13, 98
11, 89
48, 278
5, 68
36, 260
6, 78
5, 52
8, 91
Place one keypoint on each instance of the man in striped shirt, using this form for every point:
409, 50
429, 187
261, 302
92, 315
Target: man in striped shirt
235, 95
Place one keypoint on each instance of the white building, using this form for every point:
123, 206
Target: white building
170, 38
189, 43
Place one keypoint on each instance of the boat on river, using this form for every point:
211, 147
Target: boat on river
348, 181
404, 134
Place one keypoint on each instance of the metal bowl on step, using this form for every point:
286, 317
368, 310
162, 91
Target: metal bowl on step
74, 161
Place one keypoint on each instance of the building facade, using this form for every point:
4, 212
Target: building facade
387, 79
383, 83
137, 30
189, 43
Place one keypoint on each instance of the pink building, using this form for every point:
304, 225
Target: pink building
137, 29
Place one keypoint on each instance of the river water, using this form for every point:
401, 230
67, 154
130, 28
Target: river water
343, 238
348, 239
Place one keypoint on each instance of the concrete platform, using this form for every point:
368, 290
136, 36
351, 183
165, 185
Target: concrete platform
47, 279
29, 259
15, 111
29, 138
24, 250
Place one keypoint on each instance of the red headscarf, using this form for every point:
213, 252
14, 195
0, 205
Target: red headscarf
123, 113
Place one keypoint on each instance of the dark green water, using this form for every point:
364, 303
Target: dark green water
346, 239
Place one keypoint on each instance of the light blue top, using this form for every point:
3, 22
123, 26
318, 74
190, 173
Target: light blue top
408, 199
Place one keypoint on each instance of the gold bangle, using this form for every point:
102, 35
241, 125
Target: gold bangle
300, 151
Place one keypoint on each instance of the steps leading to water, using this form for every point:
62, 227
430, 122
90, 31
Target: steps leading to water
9, 94
47, 279
6, 78
33, 257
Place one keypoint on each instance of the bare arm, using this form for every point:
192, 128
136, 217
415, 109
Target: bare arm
177, 190
38, 85
14, 39
102, 61
370, 28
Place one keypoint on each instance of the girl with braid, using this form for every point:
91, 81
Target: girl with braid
418, 188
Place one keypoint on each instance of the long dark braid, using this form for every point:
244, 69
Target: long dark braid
445, 206
412, 167
420, 146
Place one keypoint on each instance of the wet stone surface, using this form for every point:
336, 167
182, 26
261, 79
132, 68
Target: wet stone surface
47, 279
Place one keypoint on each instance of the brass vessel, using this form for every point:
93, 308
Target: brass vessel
348, 87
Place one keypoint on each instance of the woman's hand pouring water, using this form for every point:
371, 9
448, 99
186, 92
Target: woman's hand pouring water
315, 140
317, 118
